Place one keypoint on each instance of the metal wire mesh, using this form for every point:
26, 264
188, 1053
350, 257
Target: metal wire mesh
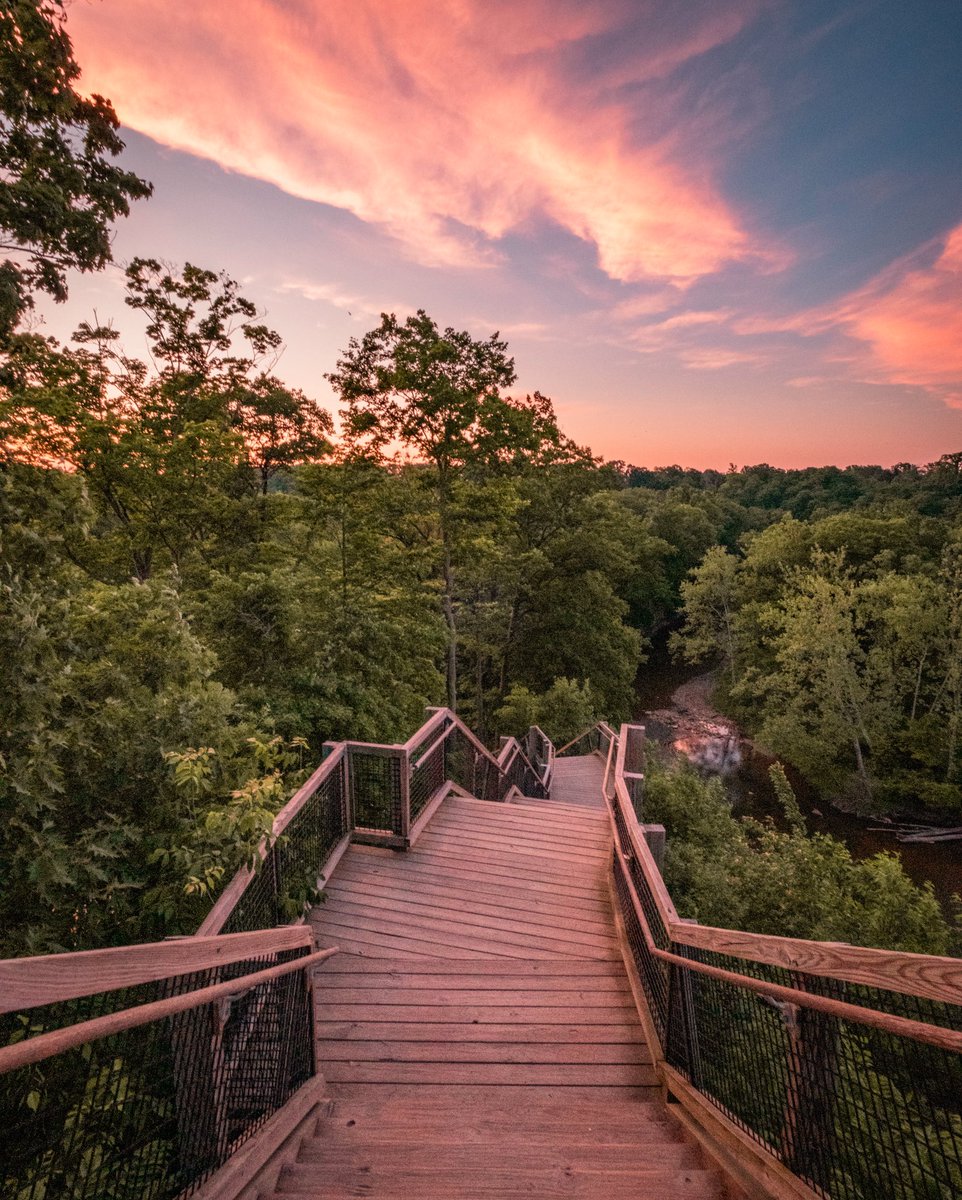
469, 769
519, 773
150, 1112
653, 974
375, 789
427, 776
856, 1111
539, 750
285, 884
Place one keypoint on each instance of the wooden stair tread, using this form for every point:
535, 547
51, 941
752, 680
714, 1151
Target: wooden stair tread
503, 1183
478, 1033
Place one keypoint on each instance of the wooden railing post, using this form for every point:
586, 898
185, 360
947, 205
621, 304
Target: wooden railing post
809, 1119
681, 1008
404, 830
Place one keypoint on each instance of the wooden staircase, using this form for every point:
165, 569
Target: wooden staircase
449, 1147
514, 1009
477, 1031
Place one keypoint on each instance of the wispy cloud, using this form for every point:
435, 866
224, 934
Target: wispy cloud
334, 294
447, 122
903, 327
909, 319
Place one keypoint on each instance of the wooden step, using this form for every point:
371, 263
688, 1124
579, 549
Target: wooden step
481, 1052
552, 1074
445, 1150
436, 1130
489, 1109
494, 1182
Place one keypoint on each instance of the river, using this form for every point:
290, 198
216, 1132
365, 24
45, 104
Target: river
673, 704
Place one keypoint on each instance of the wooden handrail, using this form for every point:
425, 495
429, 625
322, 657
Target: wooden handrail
930, 977
440, 717
643, 856
49, 978
920, 1031
225, 902
438, 741
57, 1041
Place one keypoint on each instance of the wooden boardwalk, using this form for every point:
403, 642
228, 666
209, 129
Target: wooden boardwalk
477, 1030
578, 781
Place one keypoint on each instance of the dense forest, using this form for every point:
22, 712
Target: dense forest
201, 582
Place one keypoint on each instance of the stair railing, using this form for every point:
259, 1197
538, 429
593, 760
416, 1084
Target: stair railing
138, 1071
375, 793
819, 1069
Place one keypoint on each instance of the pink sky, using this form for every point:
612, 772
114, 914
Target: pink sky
613, 184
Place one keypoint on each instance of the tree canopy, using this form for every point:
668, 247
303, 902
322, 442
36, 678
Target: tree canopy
59, 188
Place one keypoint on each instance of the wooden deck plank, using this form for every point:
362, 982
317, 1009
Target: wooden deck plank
374, 997
416, 915
478, 1032
517, 848
335, 1050
480, 1014
592, 896
350, 964
476, 934
577, 781
530, 806
464, 899
464, 1033
379, 937
466, 978
528, 1074
586, 836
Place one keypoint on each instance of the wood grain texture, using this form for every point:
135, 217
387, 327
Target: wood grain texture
924, 975
509, 887
578, 781
57, 1041
45, 979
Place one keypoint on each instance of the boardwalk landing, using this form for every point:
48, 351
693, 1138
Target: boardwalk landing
478, 1031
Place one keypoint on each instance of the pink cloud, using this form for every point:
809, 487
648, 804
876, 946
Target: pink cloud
448, 123
910, 321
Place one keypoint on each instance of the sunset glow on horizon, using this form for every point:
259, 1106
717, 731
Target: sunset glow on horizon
711, 233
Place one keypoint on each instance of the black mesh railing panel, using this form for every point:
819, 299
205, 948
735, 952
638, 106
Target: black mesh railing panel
149, 1113
285, 884
520, 774
427, 776
653, 974
303, 847
465, 766
857, 1112
375, 790
257, 906
539, 750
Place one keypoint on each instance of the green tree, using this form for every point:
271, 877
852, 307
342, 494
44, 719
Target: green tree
440, 395
165, 447
710, 599
566, 709
747, 874
59, 189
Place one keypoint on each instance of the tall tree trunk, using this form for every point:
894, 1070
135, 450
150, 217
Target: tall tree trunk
448, 603
860, 762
